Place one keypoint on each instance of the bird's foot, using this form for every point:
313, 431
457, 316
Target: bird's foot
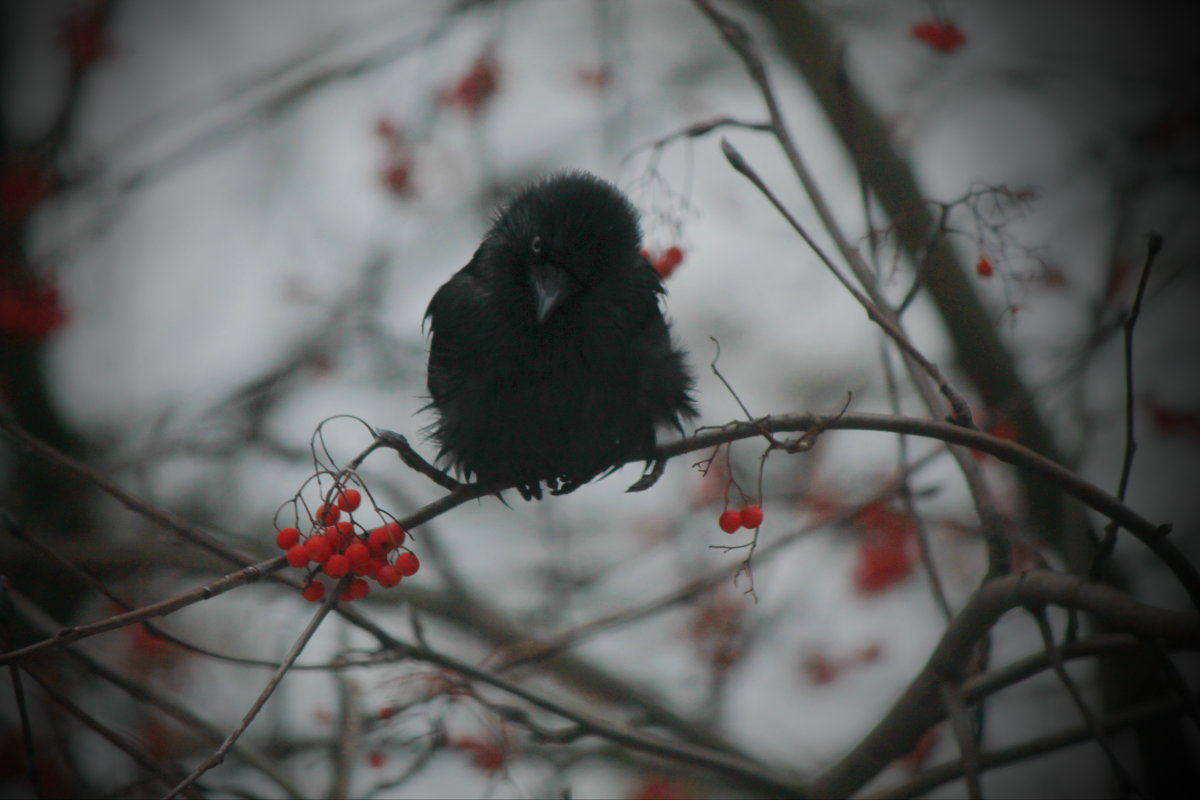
531, 491
650, 476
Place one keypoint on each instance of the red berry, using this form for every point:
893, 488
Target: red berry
298, 555
668, 261
880, 564
327, 515
984, 267
387, 712
318, 549
474, 88
337, 565
386, 539
730, 521
358, 554
376, 759
346, 528
358, 589
942, 36
751, 516
388, 576
314, 592
407, 563
396, 532
287, 538
349, 500
333, 537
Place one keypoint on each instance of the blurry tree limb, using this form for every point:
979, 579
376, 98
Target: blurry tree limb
940, 774
919, 708
809, 43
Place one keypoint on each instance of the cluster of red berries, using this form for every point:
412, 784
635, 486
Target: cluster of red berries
473, 90
666, 262
339, 550
749, 517
886, 550
396, 174
945, 37
983, 267
488, 755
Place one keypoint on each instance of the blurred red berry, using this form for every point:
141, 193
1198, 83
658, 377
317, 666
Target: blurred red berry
314, 592
917, 756
1174, 421
23, 185
751, 516
476, 87
29, 309
388, 130
327, 515
730, 521
488, 756
984, 267
944, 37
597, 79
884, 553
376, 759
83, 37
880, 565
821, 669
657, 787
397, 177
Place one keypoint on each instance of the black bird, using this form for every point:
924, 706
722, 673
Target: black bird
550, 359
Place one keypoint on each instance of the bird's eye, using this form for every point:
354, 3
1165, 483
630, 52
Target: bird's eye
536, 244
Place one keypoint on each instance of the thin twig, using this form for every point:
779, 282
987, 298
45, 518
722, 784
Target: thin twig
305, 636
1043, 622
939, 774
413, 460
1154, 244
1153, 536
130, 749
206, 592
40, 621
27, 745
968, 748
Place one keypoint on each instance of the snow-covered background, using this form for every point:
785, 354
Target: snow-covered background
232, 221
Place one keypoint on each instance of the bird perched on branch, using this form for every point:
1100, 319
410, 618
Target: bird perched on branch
550, 360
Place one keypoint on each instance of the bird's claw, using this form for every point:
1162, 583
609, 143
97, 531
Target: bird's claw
649, 477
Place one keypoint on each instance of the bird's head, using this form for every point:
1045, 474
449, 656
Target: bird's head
566, 236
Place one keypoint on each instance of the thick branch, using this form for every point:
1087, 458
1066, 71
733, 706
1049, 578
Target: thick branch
919, 707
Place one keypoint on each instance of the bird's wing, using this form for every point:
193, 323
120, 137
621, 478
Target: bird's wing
458, 323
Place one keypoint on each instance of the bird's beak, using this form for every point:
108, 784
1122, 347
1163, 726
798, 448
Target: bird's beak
551, 286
